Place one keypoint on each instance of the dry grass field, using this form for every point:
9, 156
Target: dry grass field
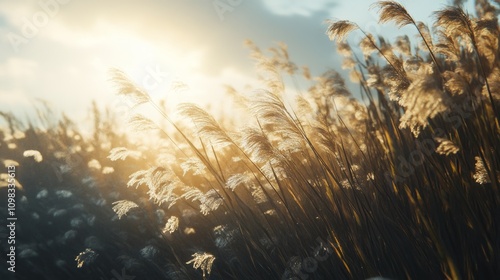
400, 180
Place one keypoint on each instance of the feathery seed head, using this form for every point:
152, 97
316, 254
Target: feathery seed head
393, 11
367, 45
203, 261
86, 257
446, 147
403, 45
122, 207
340, 29
344, 49
128, 89
171, 225
455, 21
37, 156
205, 124
481, 175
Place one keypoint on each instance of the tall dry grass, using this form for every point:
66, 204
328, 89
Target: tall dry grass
402, 182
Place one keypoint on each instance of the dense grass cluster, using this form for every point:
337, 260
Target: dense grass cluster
401, 182
65, 186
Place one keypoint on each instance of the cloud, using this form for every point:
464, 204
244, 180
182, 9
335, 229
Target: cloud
18, 68
67, 61
298, 7
12, 12
155, 44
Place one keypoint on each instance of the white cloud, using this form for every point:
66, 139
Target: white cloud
297, 7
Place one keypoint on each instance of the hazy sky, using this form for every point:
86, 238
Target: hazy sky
62, 50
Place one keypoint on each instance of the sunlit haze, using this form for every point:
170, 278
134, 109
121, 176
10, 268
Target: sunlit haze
181, 51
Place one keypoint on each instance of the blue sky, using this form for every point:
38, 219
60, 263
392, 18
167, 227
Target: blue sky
61, 50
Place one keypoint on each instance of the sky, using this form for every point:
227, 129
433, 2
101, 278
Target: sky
61, 51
